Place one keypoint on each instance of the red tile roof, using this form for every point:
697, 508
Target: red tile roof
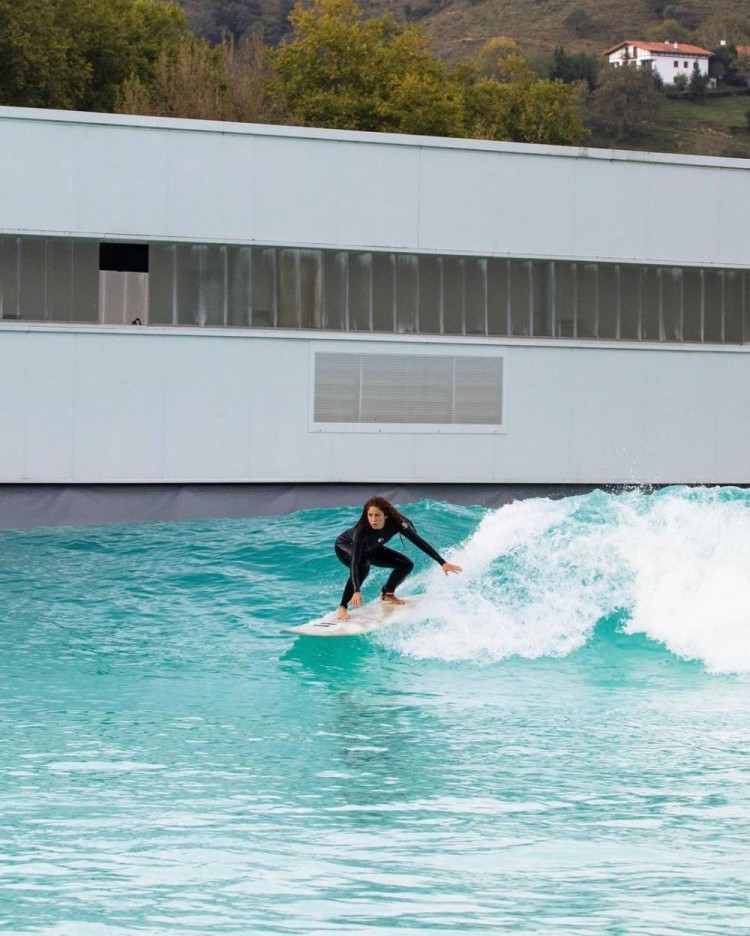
661, 48
743, 49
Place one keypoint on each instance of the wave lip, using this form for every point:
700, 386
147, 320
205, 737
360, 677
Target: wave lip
540, 574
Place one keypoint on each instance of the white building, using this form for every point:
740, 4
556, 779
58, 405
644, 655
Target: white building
667, 59
325, 307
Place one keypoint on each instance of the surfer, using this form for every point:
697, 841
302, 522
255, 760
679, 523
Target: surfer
364, 546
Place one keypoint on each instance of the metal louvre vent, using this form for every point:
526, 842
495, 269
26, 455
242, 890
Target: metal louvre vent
408, 388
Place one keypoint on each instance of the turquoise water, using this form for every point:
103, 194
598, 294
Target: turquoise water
559, 743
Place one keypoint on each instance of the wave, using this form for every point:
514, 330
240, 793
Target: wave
540, 574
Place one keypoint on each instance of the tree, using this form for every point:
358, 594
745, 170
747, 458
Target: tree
576, 67
119, 39
698, 84
343, 71
729, 29
625, 101
490, 58
227, 82
525, 111
669, 30
76, 53
39, 63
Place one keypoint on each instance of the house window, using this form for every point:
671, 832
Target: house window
684, 64
676, 64
695, 66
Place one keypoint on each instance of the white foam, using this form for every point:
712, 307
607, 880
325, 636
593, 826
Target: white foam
540, 574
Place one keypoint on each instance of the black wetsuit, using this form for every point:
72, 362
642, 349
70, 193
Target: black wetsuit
362, 546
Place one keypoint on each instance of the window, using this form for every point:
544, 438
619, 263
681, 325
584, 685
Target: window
684, 64
58, 279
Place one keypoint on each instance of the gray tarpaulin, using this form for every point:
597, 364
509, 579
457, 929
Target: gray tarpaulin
29, 505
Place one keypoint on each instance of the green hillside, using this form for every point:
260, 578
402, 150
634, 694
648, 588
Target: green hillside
458, 28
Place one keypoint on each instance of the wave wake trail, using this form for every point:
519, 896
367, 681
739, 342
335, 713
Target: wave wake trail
540, 574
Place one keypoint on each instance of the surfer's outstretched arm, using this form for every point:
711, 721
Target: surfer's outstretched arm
411, 534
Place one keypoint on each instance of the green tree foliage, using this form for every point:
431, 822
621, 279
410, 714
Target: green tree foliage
491, 57
731, 29
525, 111
669, 31
343, 71
119, 39
626, 101
226, 82
76, 53
39, 63
571, 68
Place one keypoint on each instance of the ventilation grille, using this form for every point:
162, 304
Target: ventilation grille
408, 388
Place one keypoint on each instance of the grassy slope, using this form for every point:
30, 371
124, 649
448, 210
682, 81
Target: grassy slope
459, 28
713, 127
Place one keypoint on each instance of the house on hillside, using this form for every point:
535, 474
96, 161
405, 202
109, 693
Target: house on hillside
668, 59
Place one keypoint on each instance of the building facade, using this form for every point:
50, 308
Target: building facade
669, 60
195, 302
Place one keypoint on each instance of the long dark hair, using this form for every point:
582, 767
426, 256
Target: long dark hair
388, 509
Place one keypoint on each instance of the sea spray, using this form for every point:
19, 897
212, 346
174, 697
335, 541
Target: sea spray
540, 574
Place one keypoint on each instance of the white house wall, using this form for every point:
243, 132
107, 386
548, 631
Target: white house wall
95, 404
156, 179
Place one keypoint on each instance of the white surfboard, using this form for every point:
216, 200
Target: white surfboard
371, 617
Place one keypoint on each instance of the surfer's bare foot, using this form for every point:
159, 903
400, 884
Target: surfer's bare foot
390, 599
342, 614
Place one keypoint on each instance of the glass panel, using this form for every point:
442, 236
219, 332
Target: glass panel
692, 305
587, 296
543, 299
360, 291
85, 304
263, 282
475, 300
383, 292
288, 286
310, 283
565, 299
187, 283
746, 307
59, 299
497, 297
33, 262
9, 260
713, 305
608, 325
407, 294
334, 290
671, 303
239, 282
112, 297
732, 307
630, 303
650, 304
520, 297
161, 284
213, 287
430, 305
453, 296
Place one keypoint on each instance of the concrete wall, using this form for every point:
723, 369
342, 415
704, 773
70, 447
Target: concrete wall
100, 404
158, 179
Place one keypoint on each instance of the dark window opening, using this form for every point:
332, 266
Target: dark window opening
124, 258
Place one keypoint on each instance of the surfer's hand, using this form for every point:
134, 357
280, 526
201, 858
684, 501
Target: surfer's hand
449, 567
357, 599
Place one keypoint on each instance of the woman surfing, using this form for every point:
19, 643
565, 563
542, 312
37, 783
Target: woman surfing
364, 546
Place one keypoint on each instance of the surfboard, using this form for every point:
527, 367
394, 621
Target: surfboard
370, 617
